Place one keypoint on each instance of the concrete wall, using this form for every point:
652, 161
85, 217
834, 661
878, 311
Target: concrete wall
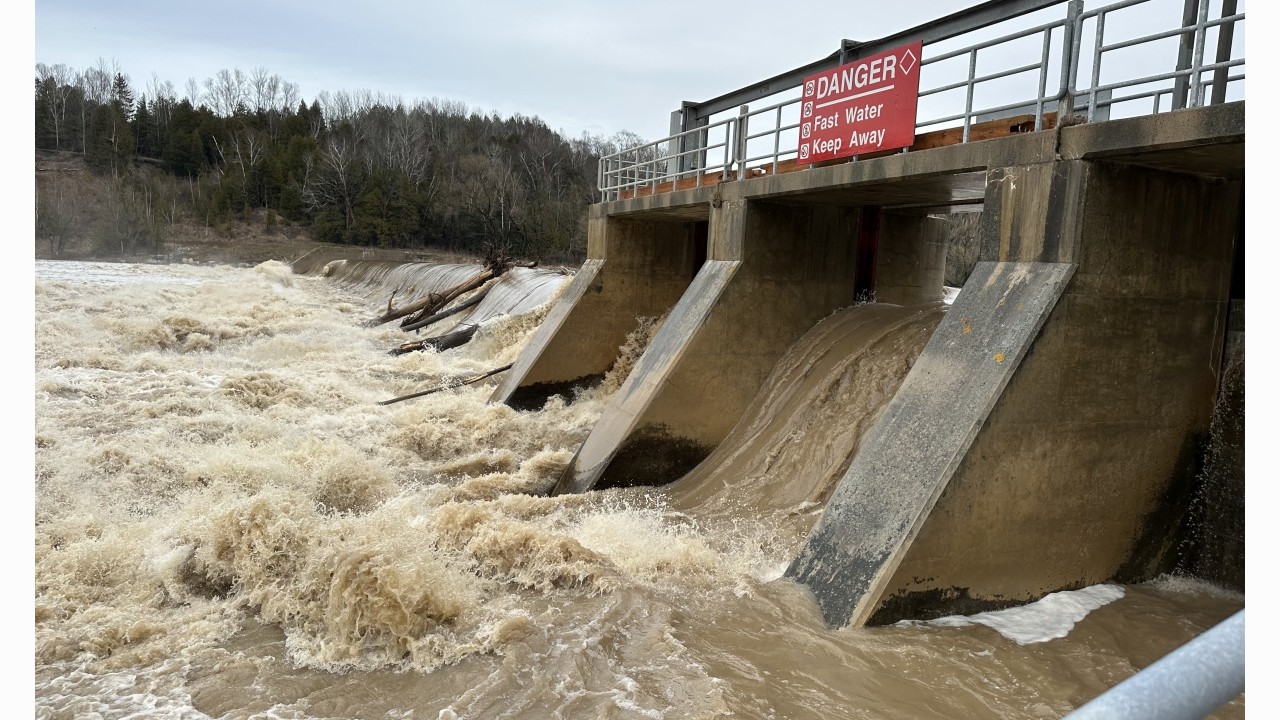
636, 268
791, 266
912, 259
963, 246
1082, 472
1215, 545
909, 456
1076, 471
797, 267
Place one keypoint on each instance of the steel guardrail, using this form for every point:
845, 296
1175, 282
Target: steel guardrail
691, 154
1187, 684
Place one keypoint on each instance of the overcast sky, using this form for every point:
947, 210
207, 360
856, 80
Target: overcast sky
580, 66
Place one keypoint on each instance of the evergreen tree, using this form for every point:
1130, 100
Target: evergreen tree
110, 145
122, 96
144, 130
434, 173
45, 135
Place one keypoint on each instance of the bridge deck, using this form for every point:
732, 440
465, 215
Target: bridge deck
1001, 127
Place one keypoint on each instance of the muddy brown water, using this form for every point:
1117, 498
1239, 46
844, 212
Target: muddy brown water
227, 525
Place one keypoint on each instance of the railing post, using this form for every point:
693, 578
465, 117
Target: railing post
612, 172
675, 161
1185, 45
1099, 40
968, 97
1070, 62
740, 141
1197, 59
1225, 33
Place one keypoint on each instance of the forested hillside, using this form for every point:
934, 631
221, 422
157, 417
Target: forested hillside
349, 167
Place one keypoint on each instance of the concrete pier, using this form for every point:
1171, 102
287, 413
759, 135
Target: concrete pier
912, 259
1082, 472
774, 270
636, 268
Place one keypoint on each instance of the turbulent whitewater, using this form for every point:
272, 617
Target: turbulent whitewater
228, 525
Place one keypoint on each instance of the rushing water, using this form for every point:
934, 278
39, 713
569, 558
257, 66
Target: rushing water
228, 525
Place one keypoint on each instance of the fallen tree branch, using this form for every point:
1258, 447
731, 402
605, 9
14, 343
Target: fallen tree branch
448, 386
496, 263
411, 324
432, 300
439, 342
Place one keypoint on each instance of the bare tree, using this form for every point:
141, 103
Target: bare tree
98, 80
58, 217
336, 179
226, 91
263, 89
289, 95
163, 99
55, 86
244, 149
193, 92
95, 90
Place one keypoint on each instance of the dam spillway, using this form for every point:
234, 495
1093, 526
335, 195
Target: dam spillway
1090, 232
229, 523
1124, 224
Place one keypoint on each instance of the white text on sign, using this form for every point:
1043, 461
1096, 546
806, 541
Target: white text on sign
858, 76
865, 106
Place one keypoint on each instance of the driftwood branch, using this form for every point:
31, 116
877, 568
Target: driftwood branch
448, 386
440, 342
449, 312
432, 300
449, 296
496, 263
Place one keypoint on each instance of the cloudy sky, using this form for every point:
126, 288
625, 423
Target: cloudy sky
580, 66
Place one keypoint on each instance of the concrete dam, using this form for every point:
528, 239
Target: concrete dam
1051, 432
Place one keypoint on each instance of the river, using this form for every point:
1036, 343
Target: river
228, 525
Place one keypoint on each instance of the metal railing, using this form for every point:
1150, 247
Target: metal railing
1187, 77
1187, 684
691, 155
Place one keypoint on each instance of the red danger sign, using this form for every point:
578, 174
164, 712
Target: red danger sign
861, 107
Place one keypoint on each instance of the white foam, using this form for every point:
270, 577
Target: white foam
1049, 618
1181, 585
105, 273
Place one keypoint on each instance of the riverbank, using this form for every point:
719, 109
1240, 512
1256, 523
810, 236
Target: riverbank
145, 219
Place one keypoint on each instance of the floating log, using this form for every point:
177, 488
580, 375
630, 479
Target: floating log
439, 342
448, 386
495, 264
449, 312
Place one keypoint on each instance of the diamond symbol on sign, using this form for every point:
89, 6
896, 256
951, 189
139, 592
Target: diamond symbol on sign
908, 61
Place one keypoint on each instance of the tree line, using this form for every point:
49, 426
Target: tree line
355, 167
